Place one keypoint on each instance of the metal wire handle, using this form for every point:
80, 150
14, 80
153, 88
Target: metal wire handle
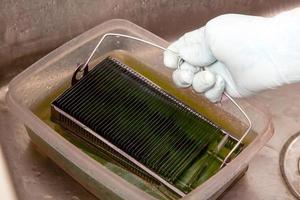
180, 61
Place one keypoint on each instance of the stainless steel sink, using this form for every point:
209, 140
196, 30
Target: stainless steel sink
31, 29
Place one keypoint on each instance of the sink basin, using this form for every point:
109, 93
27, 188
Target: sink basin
31, 92
28, 33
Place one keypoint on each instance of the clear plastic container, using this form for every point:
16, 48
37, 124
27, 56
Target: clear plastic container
31, 92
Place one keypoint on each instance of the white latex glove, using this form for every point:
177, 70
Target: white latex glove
243, 54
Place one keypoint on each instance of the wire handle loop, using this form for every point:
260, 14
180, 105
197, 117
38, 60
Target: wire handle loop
179, 62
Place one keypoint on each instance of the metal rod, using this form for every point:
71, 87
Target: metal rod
246, 132
124, 36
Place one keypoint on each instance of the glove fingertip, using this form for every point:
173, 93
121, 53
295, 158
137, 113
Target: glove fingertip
183, 78
170, 60
215, 93
203, 81
170, 55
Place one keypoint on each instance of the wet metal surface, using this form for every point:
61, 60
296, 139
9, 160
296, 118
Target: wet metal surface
24, 37
29, 29
289, 161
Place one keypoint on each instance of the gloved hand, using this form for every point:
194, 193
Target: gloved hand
243, 54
